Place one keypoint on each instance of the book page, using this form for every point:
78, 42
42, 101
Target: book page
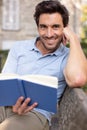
42, 79
4, 76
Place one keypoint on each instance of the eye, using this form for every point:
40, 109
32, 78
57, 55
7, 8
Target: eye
42, 27
56, 26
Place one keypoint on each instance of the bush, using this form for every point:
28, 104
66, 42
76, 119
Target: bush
84, 45
3, 56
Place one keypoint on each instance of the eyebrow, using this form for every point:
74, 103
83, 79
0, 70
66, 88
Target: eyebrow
44, 25
57, 25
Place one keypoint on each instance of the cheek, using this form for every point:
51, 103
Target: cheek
60, 35
41, 33
59, 32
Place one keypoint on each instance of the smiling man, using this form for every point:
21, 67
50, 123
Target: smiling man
47, 55
50, 32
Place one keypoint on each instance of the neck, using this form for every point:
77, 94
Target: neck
42, 49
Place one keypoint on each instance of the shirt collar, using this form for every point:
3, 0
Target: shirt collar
59, 51
33, 45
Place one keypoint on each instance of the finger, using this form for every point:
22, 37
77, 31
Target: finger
64, 40
18, 104
23, 107
30, 107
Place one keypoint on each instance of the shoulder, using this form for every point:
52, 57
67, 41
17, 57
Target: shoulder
26, 44
63, 51
23, 46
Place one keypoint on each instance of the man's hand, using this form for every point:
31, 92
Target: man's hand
21, 106
68, 35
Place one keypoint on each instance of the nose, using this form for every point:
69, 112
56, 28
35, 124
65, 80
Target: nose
49, 32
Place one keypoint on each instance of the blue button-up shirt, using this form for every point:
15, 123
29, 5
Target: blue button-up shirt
25, 58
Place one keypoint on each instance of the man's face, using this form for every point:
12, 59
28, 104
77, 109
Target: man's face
50, 29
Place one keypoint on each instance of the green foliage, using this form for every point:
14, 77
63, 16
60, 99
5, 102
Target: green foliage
84, 11
84, 29
3, 56
84, 45
85, 88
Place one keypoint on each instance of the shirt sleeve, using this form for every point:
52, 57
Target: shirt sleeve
11, 61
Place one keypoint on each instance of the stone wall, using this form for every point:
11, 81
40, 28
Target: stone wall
27, 26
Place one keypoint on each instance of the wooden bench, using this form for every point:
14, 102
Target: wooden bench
72, 111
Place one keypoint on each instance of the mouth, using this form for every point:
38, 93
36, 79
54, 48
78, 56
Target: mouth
50, 41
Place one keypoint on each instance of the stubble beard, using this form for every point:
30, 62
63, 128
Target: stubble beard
50, 48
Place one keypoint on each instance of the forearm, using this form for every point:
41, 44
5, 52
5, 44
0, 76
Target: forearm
76, 68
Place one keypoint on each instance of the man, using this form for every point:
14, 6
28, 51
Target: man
45, 55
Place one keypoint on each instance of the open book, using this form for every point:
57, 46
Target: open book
40, 88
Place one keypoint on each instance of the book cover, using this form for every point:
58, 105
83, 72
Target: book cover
40, 88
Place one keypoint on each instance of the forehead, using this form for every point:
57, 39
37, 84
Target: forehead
54, 18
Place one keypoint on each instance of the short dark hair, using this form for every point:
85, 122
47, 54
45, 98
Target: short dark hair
52, 6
